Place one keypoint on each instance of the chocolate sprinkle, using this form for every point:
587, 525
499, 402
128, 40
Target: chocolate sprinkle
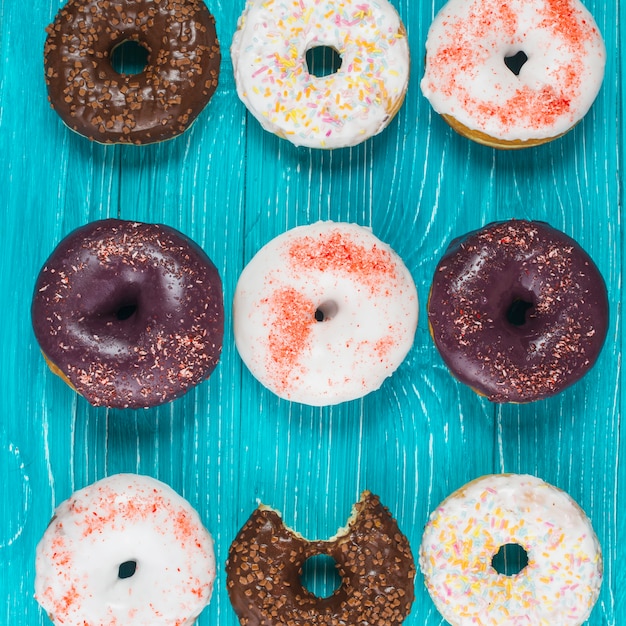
373, 558
518, 310
131, 314
157, 104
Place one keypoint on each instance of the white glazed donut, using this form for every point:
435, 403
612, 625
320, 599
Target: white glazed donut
125, 551
342, 109
324, 313
467, 80
559, 585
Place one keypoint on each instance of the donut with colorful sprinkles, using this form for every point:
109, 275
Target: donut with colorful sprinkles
554, 576
513, 74
343, 108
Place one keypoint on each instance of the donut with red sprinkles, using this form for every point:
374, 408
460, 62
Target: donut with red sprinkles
126, 550
157, 103
518, 310
514, 74
324, 313
130, 315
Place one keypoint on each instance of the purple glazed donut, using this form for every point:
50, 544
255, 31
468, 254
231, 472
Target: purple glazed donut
518, 311
130, 315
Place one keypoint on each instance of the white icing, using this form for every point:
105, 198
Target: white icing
561, 582
344, 270
123, 518
343, 109
466, 76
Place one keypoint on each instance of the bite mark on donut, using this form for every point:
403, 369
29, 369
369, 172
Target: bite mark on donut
373, 558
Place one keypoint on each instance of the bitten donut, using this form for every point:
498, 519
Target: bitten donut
341, 109
129, 314
160, 102
560, 582
513, 74
372, 556
518, 310
324, 313
125, 550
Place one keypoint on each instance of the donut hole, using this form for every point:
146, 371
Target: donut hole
519, 311
126, 569
125, 311
510, 559
326, 311
322, 61
516, 61
320, 575
129, 57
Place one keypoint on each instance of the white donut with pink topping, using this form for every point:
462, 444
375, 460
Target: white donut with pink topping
125, 551
324, 313
552, 577
513, 74
340, 109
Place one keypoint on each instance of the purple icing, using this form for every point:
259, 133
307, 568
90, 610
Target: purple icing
518, 310
131, 313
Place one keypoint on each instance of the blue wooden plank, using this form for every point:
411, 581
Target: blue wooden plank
229, 443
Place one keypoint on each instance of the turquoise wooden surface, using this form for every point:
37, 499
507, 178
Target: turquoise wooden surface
231, 187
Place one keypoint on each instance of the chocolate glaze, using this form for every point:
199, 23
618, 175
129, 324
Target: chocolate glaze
157, 104
518, 310
373, 559
132, 314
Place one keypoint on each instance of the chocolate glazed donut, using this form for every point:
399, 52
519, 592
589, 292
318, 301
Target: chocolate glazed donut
373, 559
518, 311
158, 103
129, 314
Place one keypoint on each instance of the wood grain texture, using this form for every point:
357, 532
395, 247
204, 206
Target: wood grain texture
232, 187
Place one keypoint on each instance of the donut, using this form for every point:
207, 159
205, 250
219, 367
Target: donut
159, 102
324, 313
518, 310
344, 108
372, 557
125, 550
513, 74
130, 315
555, 581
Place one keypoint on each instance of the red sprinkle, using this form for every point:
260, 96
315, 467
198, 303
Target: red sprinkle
334, 252
292, 320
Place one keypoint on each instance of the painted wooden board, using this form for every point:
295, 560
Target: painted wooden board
230, 443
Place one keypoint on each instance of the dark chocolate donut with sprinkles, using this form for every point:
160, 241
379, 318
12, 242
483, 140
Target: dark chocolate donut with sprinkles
130, 315
518, 310
373, 559
159, 102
